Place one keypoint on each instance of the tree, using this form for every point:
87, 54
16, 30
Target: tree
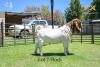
45, 13
58, 16
86, 12
30, 9
68, 14
74, 11
95, 7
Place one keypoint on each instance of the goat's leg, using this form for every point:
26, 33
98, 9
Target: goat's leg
40, 46
67, 49
66, 52
36, 47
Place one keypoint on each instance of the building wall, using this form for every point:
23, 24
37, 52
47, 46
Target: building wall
11, 19
96, 27
87, 28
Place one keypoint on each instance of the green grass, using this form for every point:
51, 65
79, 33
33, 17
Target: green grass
84, 55
10, 41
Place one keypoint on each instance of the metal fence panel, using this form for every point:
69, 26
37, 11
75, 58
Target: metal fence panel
1, 35
8, 40
90, 33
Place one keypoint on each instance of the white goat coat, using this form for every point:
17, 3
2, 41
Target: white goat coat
51, 36
55, 35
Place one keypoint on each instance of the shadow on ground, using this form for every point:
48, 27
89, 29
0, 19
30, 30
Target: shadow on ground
52, 54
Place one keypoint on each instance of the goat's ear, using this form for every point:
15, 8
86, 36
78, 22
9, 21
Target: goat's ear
75, 22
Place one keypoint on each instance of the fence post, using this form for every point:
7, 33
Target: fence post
72, 39
92, 34
2, 34
81, 35
14, 35
33, 31
25, 32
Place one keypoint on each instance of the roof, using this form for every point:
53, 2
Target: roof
2, 14
22, 13
89, 21
96, 20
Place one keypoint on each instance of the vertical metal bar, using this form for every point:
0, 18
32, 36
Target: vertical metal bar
72, 39
0, 36
14, 34
81, 33
2, 33
52, 4
25, 32
92, 34
33, 31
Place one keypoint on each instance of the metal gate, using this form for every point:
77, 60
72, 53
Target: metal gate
90, 33
5, 39
1, 34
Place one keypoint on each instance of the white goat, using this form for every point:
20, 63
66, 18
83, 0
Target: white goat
60, 35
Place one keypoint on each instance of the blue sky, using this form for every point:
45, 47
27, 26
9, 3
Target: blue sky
19, 5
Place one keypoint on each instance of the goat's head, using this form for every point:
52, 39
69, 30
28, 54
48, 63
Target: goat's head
76, 26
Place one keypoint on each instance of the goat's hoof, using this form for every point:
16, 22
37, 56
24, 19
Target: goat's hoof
41, 54
65, 54
68, 53
35, 52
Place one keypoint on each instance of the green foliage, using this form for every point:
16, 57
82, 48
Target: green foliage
74, 11
95, 14
58, 16
68, 14
45, 13
30, 9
